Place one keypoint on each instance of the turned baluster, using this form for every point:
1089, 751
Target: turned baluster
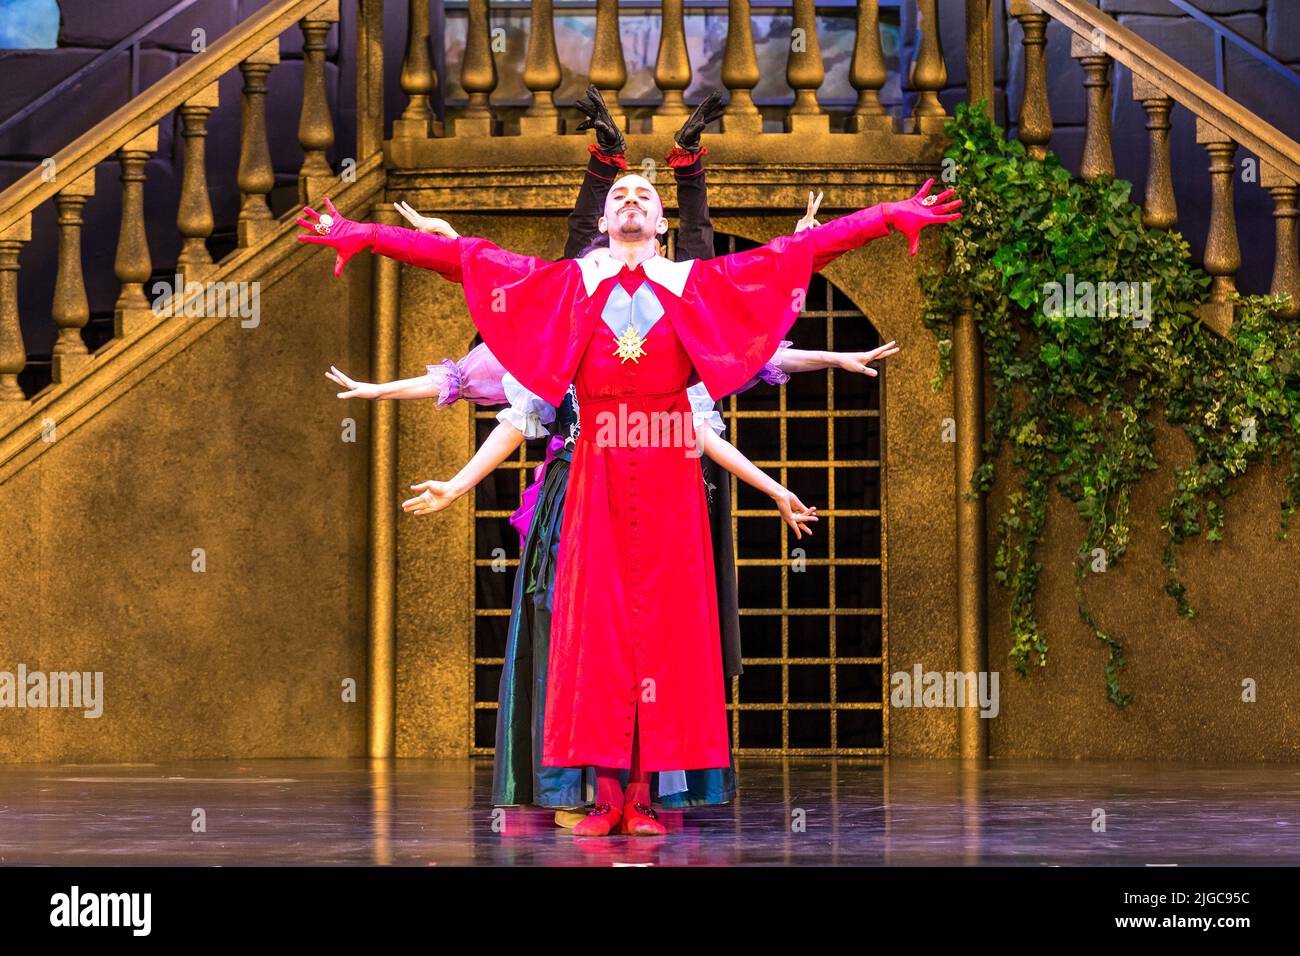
608, 71
541, 72
672, 69
1159, 208
928, 73
13, 353
255, 177
194, 216
1286, 250
867, 72
478, 74
1035, 126
315, 127
418, 81
805, 72
71, 310
740, 72
1222, 251
133, 265
1098, 158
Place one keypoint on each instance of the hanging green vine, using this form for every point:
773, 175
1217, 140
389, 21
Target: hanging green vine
1089, 327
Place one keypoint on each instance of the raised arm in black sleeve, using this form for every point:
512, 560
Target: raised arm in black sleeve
602, 170
694, 228
606, 165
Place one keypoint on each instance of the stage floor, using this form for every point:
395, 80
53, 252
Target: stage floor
807, 811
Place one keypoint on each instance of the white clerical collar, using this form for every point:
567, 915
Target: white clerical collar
600, 265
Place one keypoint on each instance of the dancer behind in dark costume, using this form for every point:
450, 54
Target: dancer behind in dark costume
519, 777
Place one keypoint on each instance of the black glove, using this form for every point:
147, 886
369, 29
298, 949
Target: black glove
608, 136
688, 137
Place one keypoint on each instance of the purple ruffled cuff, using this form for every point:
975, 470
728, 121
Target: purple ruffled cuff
475, 378
771, 373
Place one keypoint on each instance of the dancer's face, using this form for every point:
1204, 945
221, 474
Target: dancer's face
633, 211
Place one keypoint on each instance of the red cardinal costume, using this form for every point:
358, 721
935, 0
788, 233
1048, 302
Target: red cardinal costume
634, 636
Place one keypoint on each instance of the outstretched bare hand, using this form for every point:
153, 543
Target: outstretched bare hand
354, 388
794, 513
809, 220
434, 496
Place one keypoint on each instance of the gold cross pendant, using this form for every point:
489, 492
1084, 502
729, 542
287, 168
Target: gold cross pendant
629, 344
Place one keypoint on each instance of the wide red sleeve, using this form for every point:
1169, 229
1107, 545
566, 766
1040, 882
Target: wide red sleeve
737, 308
531, 312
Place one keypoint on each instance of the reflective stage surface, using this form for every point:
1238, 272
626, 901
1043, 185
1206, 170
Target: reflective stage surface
808, 811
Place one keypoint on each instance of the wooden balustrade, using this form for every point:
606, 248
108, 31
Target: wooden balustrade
13, 355
608, 70
315, 127
253, 49
1286, 256
1034, 127
805, 72
740, 71
130, 137
929, 74
1222, 125
868, 72
133, 265
418, 81
256, 176
70, 310
1098, 157
194, 216
541, 73
1159, 207
478, 74
672, 68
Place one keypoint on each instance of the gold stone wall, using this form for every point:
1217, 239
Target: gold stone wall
1186, 675
232, 445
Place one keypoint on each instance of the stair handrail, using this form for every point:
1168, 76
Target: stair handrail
130, 41
102, 140
1178, 82
1223, 34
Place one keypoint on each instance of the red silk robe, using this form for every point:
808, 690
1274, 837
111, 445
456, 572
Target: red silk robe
634, 633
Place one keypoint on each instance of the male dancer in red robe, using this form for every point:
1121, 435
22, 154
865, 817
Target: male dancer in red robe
635, 681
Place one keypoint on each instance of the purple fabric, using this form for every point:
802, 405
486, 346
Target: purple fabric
770, 373
523, 516
475, 378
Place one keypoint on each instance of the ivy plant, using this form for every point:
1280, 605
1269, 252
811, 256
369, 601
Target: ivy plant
1090, 330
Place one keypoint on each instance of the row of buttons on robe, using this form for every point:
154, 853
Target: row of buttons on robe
634, 627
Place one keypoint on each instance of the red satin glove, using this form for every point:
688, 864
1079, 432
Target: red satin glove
912, 215
344, 236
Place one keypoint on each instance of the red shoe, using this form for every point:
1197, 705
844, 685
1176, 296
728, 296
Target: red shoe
600, 821
639, 818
